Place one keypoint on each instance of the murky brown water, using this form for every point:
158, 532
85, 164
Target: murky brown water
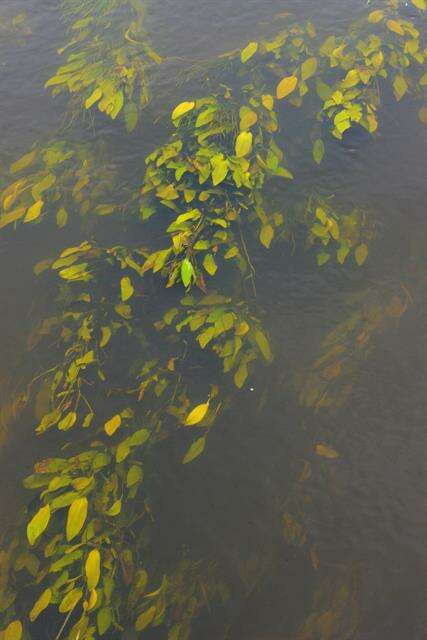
366, 512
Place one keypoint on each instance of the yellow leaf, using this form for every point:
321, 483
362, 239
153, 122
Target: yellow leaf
70, 600
23, 162
286, 86
400, 86
126, 289
34, 211
308, 68
94, 97
376, 16
112, 425
361, 254
210, 264
420, 4
93, 569
249, 51
76, 518
11, 216
41, 604
243, 144
13, 631
196, 415
182, 109
268, 101
395, 26
38, 524
248, 118
266, 235
326, 452
105, 336
61, 217
68, 422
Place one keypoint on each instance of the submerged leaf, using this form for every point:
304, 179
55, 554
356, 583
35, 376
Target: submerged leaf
195, 450
326, 452
318, 151
361, 253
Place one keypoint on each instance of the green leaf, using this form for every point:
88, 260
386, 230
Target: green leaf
241, 375
182, 109
38, 524
70, 600
41, 604
219, 172
126, 289
263, 344
210, 264
266, 235
145, 619
308, 68
104, 619
61, 217
205, 337
13, 631
318, 150
342, 253
244, 144
24, 162
248, 118
322, 258
111, 426
196, 415
76, 518
131, 116
400, 86
93, 569
286, 86
195, 450
361, 254
249, 51
187, 272
134, 475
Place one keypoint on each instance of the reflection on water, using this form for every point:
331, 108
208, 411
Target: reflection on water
304, 516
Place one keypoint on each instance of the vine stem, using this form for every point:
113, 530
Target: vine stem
251, 266
64, 624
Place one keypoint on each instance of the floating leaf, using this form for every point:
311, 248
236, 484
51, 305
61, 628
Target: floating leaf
249, 51
286, 86
361, 253
196, 415
38, 524
195, 450
111, 426
266, 235
13, 631
126, 289
326, 452
318, 150
41, 604
182, 109
76, 518
145, 619
244, 144
131, 116
93, 569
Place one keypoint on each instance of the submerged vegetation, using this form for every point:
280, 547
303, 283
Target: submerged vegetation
87, 559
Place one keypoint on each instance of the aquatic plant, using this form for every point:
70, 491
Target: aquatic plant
89, 547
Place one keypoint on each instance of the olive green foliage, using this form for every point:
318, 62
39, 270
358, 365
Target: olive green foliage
88, 541
108, 58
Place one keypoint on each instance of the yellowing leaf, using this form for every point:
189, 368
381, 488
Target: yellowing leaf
219, 172
376, 16
197, 415
111, 426
420, 4
126, 289
94, 97
70, 600
68, 422
244, 144
61, 217
268, 101
248, 118
210, 264
187, 272
400, 87
76, 518
131, 116
13, 631
361, 254
34, 211
286, 86
396, 27
93, 569
145, 619
263, 344
326, 452
41, 604
318, 150
38, 524
308, 68
182, 109
11, 216
105, 336
24, 162
266, 235
134, 475
195, 450
249, 51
